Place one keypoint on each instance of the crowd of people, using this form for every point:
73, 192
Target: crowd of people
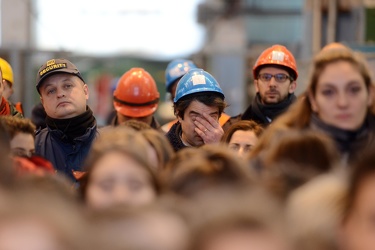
290, 172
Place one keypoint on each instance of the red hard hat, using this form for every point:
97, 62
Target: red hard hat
136, 94
276, 55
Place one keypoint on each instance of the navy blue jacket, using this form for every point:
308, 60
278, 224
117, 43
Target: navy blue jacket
65, 155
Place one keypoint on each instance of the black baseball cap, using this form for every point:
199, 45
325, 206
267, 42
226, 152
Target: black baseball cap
54, 66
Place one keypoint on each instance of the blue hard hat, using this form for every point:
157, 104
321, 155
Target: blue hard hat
197, 81
176, 69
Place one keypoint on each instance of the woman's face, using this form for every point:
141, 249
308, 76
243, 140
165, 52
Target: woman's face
341, 98
242, 141
358, 232
117, 178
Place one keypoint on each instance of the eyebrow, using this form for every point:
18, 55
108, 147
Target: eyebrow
46, 85
67, 79
196, 113
328, 84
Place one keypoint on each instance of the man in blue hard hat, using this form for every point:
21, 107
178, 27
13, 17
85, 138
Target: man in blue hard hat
198, 105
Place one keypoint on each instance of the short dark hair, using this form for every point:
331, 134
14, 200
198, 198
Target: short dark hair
287, 69
211, 99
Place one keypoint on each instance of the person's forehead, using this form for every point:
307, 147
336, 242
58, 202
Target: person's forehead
270, 69
57, 78
196, 106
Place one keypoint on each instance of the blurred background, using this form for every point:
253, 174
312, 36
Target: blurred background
106, 38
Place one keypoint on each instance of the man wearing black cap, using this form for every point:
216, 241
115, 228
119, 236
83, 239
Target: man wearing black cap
71, 126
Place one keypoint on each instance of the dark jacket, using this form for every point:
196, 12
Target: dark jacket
174, 137
65, 155
350, 144
263, 114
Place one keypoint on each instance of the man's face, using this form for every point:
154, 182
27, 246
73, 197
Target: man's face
194, 110
272, 92
63, 96
8, 89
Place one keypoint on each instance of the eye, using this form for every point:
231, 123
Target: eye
19, 152
51, 91
68, 85
354, 89
135, 185
247, 148
234, 146
327, 92
281, 77
265, 77
106, 186
215, 116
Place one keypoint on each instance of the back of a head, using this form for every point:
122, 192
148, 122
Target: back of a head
238, 218
136, 94
42, 220
195, 169
314, 212
309, 149
175, 70
160, 144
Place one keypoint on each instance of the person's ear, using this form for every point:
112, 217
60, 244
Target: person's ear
256, 82
292, 87
86, 91
178, 117
41, 100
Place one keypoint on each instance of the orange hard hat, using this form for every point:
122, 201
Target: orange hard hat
276, 55
136, 94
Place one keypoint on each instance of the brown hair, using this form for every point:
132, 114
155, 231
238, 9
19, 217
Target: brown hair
161, 145
118, 139
208, 166
17, 125
309, 149
290, 158
135, 124
244, 125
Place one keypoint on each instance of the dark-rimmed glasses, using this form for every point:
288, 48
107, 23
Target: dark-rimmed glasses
280, 78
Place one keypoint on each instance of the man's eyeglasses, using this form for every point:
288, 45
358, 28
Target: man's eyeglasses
280, 78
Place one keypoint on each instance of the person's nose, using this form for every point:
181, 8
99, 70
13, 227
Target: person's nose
60, 93
272, 83
241, 152
342, 100
121, 195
